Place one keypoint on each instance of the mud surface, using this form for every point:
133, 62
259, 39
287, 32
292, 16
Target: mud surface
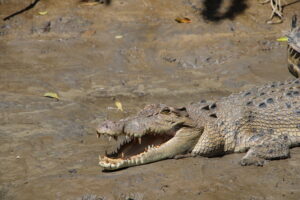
135, 52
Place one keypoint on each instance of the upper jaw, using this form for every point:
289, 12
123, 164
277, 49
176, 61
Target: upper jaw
110, 128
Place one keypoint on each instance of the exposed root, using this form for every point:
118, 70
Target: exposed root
277, 9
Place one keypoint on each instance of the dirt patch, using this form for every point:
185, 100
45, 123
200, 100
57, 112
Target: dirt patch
136, 52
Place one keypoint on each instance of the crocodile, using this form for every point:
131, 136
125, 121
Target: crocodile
263, 121
294, 48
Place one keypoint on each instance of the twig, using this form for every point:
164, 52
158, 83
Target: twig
21, 11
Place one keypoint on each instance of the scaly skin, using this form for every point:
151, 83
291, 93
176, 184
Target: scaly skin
263, 121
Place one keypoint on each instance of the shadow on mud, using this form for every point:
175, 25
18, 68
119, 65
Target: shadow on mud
213, 9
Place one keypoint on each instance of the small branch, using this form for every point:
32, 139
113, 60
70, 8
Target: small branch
21, 11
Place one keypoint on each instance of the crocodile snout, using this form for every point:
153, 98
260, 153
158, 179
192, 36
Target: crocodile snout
110, 128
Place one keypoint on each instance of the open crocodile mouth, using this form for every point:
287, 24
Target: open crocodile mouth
130, 149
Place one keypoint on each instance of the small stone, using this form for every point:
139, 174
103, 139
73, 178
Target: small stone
72, 171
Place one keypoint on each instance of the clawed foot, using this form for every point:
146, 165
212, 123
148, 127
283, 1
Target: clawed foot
251, 158
253, 161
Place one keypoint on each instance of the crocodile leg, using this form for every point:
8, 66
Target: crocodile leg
210, 144
269, 147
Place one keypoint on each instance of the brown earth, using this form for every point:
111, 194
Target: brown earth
133, 51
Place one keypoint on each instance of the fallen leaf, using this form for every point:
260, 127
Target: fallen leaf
183, 20
88, 33
43, 12
51, 95
118, 36
283, 39
90, 3
119, 105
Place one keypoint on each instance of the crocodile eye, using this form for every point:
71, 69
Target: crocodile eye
165, 111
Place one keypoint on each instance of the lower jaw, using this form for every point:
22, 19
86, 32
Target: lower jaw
150, 156
121, 164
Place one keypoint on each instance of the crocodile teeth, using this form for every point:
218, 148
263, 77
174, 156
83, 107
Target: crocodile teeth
112, 165
136, 161
140, 140
109, 138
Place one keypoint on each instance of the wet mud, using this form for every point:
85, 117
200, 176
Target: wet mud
134, 52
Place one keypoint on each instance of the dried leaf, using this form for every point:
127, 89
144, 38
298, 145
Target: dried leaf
119, 105
51, 95
183, 20
43, 12
118, 36
283, 39
88, 33
89, 3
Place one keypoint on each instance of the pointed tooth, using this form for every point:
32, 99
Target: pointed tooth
118, 164
137, 161
109, 138
140, 140
122, 155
